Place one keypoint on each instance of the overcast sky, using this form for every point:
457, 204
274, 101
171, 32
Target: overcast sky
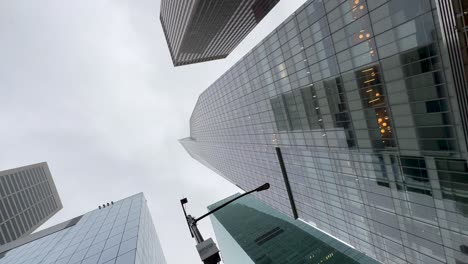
89, 87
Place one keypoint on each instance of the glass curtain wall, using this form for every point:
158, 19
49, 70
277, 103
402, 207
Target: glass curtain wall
361, 99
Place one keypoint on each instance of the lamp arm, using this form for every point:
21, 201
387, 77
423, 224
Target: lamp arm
223, 205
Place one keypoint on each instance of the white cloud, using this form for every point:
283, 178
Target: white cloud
88, 86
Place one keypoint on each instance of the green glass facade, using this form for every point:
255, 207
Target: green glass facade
249, 231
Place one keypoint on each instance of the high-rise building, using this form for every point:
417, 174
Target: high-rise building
117, 233
204, 30
28, 198
249, 232
356, 113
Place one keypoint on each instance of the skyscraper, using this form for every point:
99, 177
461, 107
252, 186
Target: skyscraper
117, 233
248, 231
204, 30
356, 113
28, 198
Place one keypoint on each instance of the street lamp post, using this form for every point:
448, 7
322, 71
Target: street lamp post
207, 249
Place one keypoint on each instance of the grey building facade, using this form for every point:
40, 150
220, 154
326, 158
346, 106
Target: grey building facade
365, 103
204, 30
28, 198
250, 232
121, 233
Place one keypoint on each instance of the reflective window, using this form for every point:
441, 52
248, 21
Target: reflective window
362, 99
88, 241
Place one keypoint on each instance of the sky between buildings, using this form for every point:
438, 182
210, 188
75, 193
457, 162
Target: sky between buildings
89, 87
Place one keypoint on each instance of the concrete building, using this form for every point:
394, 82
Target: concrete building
204, 30
28, 198
117, 233
356, 113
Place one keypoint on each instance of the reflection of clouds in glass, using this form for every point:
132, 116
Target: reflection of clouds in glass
361, 135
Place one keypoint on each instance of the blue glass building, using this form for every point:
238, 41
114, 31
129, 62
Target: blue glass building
365, 102
120, 233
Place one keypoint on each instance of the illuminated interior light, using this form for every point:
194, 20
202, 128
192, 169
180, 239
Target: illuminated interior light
382, 131
361, 36
377, 94
356, 2
371, 101
371, 80
384, 124
380, 120
367, 35
361, 7
366, 70
370, 90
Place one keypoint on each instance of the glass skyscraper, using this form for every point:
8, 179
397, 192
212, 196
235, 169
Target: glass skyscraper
249, 231
28, 198
364, 103
204, 30
120, 233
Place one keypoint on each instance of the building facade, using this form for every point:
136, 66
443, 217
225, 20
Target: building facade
28, 198
356, 113
249, 232
120, 233
204, 30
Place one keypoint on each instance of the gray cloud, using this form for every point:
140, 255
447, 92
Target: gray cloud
88, 86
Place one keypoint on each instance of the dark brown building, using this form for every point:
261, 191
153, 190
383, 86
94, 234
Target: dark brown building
204, 30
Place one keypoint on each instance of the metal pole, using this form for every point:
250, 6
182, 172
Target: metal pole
194, 229
182, 202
